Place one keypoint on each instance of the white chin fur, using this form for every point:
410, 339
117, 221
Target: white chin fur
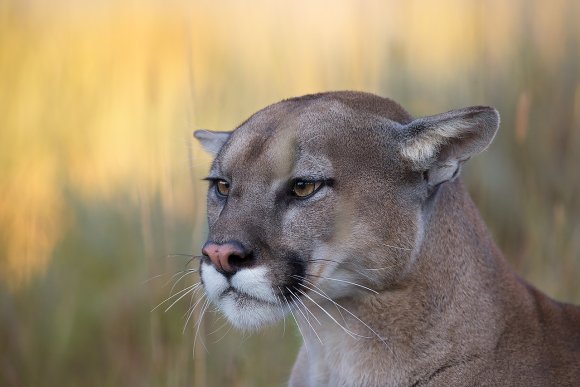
248, 301
248, 313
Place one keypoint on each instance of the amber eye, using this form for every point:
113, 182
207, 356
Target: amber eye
302, 189
222, 187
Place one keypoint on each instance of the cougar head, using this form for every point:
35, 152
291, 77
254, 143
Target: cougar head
321, 197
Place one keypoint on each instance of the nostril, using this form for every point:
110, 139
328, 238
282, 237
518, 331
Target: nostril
240, 261
236, 260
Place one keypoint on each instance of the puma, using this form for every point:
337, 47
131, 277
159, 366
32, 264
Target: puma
346, 212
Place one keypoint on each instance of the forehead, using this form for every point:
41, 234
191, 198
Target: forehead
291, 138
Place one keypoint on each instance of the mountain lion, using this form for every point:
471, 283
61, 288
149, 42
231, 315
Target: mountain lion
345, 212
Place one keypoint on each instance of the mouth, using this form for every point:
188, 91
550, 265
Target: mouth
248, 312
243, 297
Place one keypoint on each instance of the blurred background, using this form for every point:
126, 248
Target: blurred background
100, 192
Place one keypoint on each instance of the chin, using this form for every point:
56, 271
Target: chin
248, 313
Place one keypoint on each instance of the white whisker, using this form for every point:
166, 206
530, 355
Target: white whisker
198, 324
189, 312
304, 305
349, 312
381, 268
224, 335
171, 278
152, 278
345, 281
348, 331
323, 292
284, 319
178, 280
297, 325
175, 295
305, 317
217, 329
192, 288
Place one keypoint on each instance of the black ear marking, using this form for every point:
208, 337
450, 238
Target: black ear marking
456, 173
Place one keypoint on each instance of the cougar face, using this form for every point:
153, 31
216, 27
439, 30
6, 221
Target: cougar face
319, 198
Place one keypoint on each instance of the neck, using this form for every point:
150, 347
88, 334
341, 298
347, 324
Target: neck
435, 316
457, 268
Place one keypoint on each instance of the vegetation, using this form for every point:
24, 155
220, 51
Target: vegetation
100, 180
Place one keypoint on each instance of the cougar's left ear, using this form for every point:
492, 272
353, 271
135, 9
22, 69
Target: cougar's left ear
438, 145
211, 141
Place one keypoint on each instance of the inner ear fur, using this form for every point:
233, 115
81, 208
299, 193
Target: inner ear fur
211, 141
438, 145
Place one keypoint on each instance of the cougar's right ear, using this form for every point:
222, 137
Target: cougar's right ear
438, 145
212, 141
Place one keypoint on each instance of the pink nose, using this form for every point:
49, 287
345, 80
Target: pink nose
227, 257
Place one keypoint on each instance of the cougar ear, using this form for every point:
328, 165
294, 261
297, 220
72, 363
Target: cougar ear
438, 145
212, 141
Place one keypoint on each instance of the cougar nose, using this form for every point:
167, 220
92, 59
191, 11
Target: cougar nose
227, 257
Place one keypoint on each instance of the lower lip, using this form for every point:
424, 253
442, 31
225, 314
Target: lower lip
241, 297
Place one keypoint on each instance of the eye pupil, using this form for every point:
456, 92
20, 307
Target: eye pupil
223, 187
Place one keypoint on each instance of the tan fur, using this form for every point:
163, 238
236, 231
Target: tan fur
402, 284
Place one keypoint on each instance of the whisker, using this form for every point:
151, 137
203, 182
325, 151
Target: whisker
382, 268
217, 329
191, 257
344, 266
284, 319
153, 277
198, 324
348, 331
174, 295
224, 335
323, 292
349, 312
341, 264
324, 310
344, 281
184, 273
305, 318
190, 303
305, 307
193, 293
189, 261
195, 286
190, 311
323, 259
298, 325
164, 274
